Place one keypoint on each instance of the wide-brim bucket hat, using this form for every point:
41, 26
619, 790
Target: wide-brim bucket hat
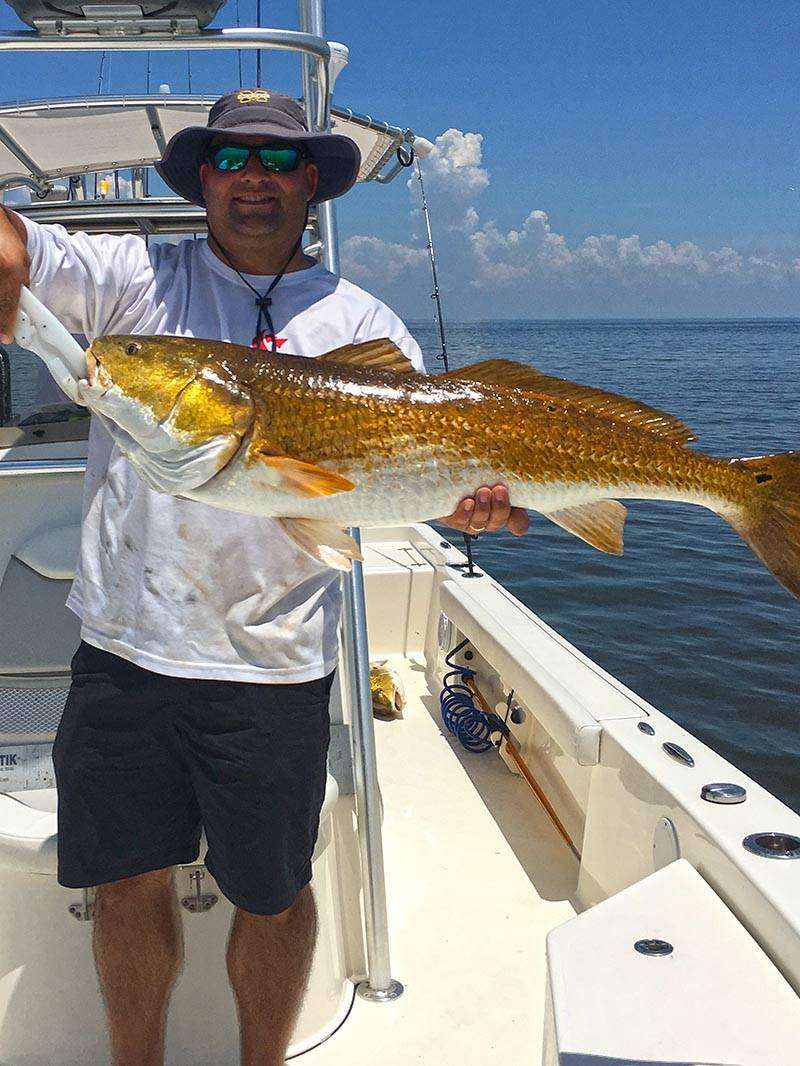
266, 114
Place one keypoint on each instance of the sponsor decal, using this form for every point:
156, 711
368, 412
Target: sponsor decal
8, 760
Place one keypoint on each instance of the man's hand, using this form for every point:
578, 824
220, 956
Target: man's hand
489, 509
14, 265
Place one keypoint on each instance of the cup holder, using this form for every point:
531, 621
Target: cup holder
773, 845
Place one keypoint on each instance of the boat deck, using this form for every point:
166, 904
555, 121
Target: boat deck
476, 878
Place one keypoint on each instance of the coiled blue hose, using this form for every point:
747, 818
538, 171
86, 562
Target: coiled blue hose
461, 716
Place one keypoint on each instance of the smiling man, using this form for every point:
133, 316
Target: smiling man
200, 689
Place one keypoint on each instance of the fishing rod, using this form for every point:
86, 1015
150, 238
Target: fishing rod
407, 155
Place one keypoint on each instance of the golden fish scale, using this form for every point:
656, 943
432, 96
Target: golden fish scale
312, 414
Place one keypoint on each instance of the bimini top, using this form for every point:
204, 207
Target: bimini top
45, 144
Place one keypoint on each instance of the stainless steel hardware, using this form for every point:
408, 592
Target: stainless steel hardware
676, 752
653, 947
200, 902
723, 792
84, 912
645, 727
773, 845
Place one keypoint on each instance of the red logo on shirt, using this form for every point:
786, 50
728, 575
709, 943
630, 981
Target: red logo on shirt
264, 341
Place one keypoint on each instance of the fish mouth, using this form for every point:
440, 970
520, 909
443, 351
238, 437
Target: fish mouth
96, 373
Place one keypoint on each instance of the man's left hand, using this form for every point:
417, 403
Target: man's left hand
488, 510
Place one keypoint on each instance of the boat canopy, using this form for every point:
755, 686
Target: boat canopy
43, 142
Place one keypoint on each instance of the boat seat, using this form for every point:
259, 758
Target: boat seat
29, 828
716, 998
499, 628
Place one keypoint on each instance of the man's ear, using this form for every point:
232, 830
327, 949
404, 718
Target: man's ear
312, 174
204, 168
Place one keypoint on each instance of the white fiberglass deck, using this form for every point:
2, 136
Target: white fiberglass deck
476, 878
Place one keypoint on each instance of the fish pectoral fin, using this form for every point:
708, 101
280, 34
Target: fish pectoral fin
380, 354
303, 479
608, 404
599, 524
323, 541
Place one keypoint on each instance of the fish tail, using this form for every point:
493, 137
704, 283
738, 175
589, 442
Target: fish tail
769, 520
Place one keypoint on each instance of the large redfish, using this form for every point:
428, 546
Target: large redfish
354, 438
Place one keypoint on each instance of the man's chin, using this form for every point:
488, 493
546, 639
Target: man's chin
266, 217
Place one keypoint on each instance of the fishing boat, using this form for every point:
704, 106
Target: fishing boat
532, 865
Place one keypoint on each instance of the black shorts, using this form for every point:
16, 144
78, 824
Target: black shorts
144, 761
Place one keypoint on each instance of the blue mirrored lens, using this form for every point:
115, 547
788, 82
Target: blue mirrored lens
231, 157
279, 159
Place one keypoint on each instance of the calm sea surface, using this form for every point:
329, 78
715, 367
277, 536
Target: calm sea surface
687, 617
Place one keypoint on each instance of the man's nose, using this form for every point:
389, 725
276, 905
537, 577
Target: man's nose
254, 169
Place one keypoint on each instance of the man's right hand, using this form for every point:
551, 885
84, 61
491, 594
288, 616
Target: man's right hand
14, 268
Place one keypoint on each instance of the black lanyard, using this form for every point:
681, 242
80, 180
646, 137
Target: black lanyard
264, 302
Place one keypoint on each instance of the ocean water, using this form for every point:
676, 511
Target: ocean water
688, 617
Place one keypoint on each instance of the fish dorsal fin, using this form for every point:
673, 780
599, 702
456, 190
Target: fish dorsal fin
609, 404
380, 354
599, 524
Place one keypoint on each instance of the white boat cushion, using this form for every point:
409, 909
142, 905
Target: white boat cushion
29, 828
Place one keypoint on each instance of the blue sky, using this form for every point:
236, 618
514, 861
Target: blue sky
603, 158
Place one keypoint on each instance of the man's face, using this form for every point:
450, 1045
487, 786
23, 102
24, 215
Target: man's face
254, 201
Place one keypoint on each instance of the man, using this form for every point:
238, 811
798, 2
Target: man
200, 689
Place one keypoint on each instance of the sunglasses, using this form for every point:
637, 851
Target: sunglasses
277, 160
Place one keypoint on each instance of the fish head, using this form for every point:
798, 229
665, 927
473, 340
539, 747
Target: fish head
171, 398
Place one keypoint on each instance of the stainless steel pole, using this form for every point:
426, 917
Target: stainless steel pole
379, 985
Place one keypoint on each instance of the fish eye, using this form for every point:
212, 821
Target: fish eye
133, 348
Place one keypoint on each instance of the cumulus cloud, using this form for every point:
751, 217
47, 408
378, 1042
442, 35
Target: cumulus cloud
455, 164
532, 262
370, 259
536, 250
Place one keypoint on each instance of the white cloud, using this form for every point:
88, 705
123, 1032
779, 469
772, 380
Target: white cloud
370, 259
455, 164
536, 266
536, 250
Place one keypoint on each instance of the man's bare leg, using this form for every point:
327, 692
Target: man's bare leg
269, 960
138, 949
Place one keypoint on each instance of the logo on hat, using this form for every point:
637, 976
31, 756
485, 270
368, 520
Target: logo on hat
253, 96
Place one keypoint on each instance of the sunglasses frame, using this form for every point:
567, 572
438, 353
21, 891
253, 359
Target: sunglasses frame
255, 150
